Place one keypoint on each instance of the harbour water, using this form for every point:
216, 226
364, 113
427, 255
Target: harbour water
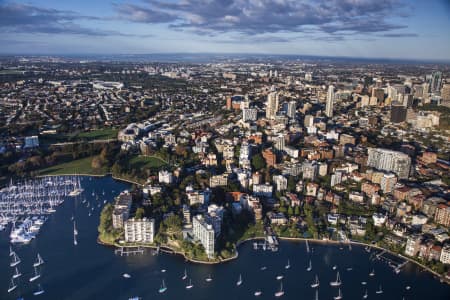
91, 271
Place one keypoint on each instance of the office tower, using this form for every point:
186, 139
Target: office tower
378, 93
445, 94
272, 105
291, 109
391, 161
436, 81
329, 104
398, 112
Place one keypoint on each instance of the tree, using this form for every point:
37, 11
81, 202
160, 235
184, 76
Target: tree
140, 213
258, 162
96, 163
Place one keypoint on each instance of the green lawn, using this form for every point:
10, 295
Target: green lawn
101, 134
144, 162
79, 166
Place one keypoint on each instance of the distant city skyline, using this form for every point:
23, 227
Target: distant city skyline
351, 28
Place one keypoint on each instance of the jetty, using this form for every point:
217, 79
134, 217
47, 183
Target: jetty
126, 251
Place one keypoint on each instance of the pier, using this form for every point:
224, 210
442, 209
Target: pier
126, 251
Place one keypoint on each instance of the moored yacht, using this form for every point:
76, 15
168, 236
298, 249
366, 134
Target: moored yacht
280, 292
239, 282
337, 282
315, 284
163, 287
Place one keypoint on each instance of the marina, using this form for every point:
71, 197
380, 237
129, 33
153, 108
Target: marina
256, 270
26, 204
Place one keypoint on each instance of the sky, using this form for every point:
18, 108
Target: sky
407, 29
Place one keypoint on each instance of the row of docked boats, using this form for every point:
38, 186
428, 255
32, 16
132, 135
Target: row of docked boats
26, 204
37, 265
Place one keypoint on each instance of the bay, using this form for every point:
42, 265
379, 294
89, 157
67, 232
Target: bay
93, 271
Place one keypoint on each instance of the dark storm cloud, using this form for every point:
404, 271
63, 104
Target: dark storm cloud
269, 16
24, 18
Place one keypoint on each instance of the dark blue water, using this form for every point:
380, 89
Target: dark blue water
92, 271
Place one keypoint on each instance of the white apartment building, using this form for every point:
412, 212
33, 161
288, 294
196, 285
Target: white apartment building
139, 230
391, 161
204, 232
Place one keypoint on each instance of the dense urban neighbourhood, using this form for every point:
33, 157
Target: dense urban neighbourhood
224, 151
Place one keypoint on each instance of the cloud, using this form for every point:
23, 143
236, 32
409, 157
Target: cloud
24, 18
250, 17
140, 14
399, 35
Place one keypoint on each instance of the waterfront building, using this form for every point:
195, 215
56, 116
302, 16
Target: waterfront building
121, 210
389, 160
445, 254
204, 232
413, 245
139, 230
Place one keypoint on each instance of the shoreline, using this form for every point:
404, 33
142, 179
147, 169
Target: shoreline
169, 250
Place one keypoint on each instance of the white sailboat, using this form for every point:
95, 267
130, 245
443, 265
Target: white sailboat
279, 277
309, 268
209, 278
239, 282
280, 292
339, 296
12, 286
190, 285
337, 282
39, 261
365, 295
37, 274
75, 233
15, 260
315, 283
11, 252
379, 291
185, 275
39, 291
288, 266
16, 274
163, 287
257, 293
372, 273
